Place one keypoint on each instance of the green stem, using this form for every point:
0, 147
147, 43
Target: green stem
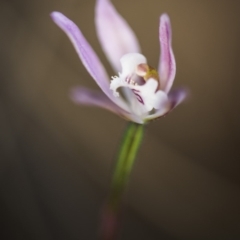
127, 154
126, 157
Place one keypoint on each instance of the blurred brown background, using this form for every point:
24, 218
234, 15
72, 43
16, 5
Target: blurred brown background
57, 158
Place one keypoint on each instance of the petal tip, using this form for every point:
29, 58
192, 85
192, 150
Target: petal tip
165, 25
178, 96
74, 94
58, 17
102, 5
165, 17
54, 15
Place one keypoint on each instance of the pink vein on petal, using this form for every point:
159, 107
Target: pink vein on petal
167, 64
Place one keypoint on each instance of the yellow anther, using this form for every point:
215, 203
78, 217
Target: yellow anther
146, 72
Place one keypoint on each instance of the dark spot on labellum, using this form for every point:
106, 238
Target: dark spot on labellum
139, 98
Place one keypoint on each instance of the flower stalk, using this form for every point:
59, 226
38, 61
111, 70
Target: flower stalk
129, 147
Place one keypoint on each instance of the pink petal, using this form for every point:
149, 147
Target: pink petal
84, 96
89, 58
177, 96
167, 64
115, 35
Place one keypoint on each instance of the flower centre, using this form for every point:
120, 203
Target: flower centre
142, 81
135, 72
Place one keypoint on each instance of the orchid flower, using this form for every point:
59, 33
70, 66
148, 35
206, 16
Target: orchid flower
138, 92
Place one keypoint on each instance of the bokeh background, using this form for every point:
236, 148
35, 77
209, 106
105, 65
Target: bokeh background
56, 158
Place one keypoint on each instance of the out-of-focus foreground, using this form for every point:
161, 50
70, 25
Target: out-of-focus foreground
56, 158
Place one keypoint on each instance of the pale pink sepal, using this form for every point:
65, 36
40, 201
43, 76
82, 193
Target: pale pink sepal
167, 64
85, 96
89, 58
114, 33
177, 96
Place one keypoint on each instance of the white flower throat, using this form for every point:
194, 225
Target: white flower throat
142, 80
